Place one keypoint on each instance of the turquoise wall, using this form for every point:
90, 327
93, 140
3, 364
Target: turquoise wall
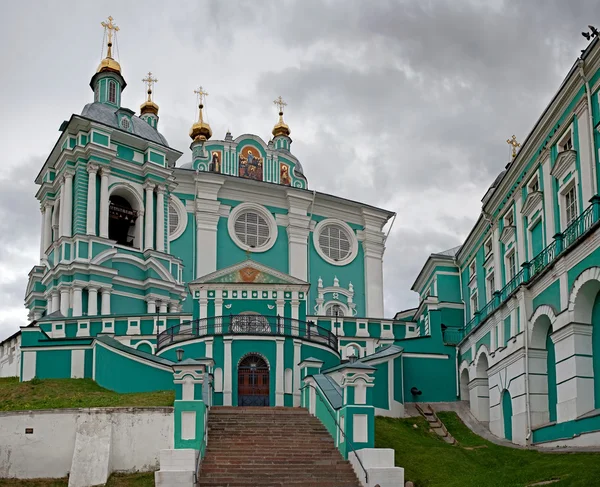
53, 364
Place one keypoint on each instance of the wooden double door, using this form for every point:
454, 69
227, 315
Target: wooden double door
253, 381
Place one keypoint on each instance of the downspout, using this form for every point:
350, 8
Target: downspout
312, 204
462, 298
527, 398
593, 162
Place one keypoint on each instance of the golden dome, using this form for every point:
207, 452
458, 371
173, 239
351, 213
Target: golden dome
200, 131
149, 107
109, 64
281, 127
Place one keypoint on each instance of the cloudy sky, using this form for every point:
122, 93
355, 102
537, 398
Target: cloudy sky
400, 104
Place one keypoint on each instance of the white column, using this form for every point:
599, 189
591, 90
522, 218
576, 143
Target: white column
104, 203
149, 216
68, 206
160, 218
91, 200
227, 371
55, 300
162, 307
44, 210
92, 301
373, 247
151, 306
520, 230
105, 305
585, 158
548, 199
77, 301
497, 258
279, 373
298, 232
64, 301
280, 303
295, 304
297, 381
47, 236
61, 207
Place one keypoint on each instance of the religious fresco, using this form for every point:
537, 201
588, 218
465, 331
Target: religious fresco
284, 174
215, 161
248, 275
251, 164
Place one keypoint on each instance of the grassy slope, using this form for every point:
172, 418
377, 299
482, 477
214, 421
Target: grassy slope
116, 480
429, 462
71, 393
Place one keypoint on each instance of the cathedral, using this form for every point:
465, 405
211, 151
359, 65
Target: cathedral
232, 261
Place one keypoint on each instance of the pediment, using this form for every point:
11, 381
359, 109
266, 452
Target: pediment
564, 161
532, 202
249, 272
507, 234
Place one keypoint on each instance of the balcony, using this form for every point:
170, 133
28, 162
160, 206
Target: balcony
532, 269
247, 324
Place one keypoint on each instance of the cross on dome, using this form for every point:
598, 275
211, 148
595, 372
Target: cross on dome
149, 80
109, 27
201, 95
513, 142
280, 103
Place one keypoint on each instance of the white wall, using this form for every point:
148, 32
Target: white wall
10, 357
138, 435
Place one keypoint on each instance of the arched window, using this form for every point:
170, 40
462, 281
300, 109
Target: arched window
112, 91
334, 310
122, 218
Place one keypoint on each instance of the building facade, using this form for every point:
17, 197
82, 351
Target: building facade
233, 258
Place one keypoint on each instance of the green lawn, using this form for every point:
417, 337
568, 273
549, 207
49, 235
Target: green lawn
145, 479
71, 393
430, 462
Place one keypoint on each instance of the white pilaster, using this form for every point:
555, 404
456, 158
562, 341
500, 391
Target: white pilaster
548, 199
206, 242
297, 381
68, 214
227, 372
91, 199
295, 305
44, 210
497, 257
47, 235
64, 301
77, 301
162, 307
587, 172
150, 306
280, 303
279, 373
479, 398
298, 232
104, 203
149, 216
55, 300
92, 301
160, 218
373, 247
61, 208
520, 230
105, 305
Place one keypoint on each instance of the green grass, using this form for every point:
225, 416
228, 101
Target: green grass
430, 462
145, 479
72, 393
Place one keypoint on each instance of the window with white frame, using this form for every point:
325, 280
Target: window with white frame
252, 229
488, 247
570, 201
509, 219
566, 142
490, 285
334, 242
334, 310
534, 185
472, 270
474, 304
112, 91
511, 266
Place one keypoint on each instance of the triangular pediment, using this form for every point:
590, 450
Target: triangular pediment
533, 200
249, 272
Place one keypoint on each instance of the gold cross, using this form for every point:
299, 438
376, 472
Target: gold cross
109, 26
201, 95
280, 103
513, 142
149, 80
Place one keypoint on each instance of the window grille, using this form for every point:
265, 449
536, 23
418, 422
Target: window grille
334, 310
334, 242
173, 218
125, 123
252, 229
112, 92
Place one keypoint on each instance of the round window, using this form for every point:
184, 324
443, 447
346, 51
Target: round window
335, 242
125, 123
252, 227
177, 218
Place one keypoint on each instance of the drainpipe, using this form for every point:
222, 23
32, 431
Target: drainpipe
462, 298
593, 162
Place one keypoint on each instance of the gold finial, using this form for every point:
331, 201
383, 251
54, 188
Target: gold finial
200, 130
513, 142
280, 127
149, 106
108, 63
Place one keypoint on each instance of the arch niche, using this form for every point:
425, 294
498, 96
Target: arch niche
479, 389
541, 339
125, 216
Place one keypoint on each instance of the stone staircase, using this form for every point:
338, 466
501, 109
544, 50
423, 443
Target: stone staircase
435, 423
271, 446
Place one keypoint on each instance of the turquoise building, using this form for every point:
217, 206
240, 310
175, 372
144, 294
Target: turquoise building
232, 259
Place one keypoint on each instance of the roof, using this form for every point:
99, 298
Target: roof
331, 389
111, 342
450, 252
349, 365
107, 115
383, 352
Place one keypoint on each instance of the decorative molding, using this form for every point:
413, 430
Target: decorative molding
564, 161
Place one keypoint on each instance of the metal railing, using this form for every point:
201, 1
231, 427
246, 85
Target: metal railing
319, 393
247, 324
562, 241
452, 336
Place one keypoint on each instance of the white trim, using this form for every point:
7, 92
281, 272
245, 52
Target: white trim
426, 355
353, 241
135, 358
263, 212
182, 218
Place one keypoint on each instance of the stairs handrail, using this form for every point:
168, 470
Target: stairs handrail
320, 396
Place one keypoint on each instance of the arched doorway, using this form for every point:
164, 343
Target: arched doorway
121, 223
507, 414
253, 381
479, 390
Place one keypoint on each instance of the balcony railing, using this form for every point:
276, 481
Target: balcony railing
562, 241
452, 336
247, 324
